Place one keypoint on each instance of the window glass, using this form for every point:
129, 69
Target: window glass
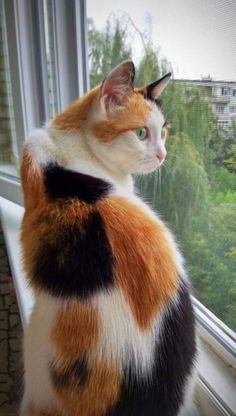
195, 191
10, 139
8, 145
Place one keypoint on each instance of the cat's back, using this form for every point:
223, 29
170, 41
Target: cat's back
112, 302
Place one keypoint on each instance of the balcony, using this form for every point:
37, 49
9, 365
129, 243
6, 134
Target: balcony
224, 99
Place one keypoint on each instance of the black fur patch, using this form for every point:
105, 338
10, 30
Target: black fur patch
162, 394
77, 374
65, 183
150, 87
77, 262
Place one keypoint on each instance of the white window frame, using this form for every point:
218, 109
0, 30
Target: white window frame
27, 58
29, 86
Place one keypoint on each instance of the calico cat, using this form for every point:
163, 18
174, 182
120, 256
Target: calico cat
112, 330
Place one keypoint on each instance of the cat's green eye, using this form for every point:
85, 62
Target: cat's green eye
141, 133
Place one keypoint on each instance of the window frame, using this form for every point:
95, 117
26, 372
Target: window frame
28, 77
27, 59
217, 362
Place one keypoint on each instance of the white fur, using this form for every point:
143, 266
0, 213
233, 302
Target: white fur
120, 339
189, 408
38, 353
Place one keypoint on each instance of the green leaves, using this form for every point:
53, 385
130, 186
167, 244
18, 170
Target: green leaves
107, 49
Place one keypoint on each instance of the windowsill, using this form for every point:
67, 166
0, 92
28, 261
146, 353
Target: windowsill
217, 364
8, 169
11, 188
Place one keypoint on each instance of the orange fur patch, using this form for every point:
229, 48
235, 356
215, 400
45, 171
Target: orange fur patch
130, 117
100, 393
32, 182
133, 115
74, 335
76, 330
145, 267
73, 117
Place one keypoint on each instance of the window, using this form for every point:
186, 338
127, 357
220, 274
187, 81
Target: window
223, 124
9, 154
195, 192
232, 109
43, 63
38, 42
224, 91
220, 109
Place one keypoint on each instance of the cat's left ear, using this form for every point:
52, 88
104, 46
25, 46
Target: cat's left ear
154, 90
117, 84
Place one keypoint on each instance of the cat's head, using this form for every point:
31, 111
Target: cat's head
124, 126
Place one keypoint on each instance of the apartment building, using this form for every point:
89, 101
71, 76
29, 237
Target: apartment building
222, 95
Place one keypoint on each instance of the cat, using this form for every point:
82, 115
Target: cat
112, 331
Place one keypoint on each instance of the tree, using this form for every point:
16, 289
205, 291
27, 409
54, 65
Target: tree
106, 50
149, 68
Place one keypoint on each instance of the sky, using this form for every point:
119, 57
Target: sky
198, 37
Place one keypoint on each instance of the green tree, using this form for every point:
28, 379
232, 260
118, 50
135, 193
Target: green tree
149, 68
106, 49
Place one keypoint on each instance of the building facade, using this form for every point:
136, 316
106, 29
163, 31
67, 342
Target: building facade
222, 96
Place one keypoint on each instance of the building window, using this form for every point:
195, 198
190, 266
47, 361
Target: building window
223, 124
234, 92
220, 109
224, 91
232, 109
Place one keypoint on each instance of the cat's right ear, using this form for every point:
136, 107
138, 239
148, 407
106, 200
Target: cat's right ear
117, 84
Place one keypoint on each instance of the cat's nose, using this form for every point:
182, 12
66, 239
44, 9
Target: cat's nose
161, 156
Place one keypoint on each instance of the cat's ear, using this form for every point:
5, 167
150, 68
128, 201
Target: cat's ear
117, 84
154, 90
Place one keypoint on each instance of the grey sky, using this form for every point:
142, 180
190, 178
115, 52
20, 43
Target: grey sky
197, 36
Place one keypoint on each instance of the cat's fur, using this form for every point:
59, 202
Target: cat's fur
112, 330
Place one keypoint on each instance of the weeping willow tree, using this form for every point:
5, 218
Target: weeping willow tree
181, 194
106, 49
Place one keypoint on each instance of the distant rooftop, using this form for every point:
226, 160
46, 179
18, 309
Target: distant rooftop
205, 80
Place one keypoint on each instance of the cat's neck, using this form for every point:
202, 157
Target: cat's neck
77, 156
